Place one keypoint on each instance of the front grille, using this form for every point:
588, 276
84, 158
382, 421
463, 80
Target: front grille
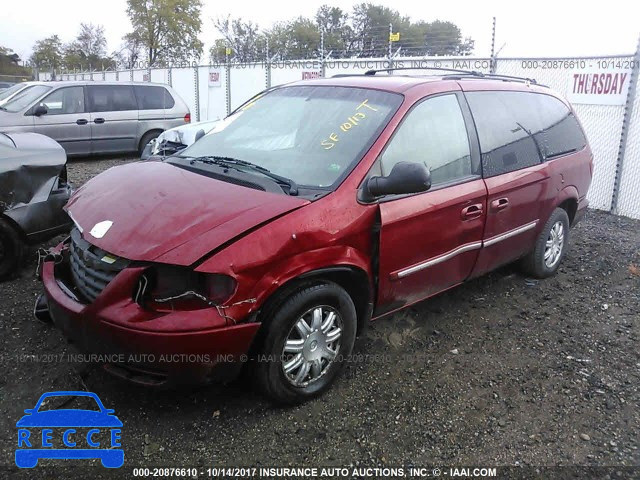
92, 268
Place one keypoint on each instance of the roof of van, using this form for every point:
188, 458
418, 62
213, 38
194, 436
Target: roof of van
59, 83
402, 82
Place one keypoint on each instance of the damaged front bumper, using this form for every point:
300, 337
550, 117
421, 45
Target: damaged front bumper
144, 347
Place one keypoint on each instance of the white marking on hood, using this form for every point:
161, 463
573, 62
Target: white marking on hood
100, 229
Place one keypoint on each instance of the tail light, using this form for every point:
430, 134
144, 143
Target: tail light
187, 118
165, 288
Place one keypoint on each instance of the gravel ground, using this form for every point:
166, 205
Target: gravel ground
501, 371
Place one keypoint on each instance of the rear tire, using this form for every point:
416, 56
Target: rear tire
11, 250
146, 139
550, 247
307, 342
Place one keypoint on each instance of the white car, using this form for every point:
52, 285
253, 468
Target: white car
10, 92
177, 138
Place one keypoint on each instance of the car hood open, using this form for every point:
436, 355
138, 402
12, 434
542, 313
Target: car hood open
154, 211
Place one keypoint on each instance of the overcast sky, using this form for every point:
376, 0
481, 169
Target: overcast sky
525, 28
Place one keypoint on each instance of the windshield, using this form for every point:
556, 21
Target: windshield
312, 135
10, 91
66, 402
25, 98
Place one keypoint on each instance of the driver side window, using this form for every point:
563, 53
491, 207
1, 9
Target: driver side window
433, 133
63, 101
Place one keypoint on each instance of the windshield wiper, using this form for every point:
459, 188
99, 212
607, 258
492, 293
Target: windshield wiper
234, 162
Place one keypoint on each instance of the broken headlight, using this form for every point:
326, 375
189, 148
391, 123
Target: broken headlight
166, 288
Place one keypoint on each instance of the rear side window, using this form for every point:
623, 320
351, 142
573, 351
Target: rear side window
521, 129
560, 134
505, 122
154, 98
112, 98
433, 132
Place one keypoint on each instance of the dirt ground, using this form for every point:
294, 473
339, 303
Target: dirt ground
504, 370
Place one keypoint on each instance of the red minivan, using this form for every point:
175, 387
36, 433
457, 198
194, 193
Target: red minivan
271, 241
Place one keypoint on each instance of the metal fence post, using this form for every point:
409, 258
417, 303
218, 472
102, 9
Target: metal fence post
227, 89
493, 67
628, 111
196, 79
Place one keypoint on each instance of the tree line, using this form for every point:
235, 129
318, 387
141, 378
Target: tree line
167, 31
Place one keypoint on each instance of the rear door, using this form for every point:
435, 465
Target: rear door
519, 184
114, 118
66, 120
430, 241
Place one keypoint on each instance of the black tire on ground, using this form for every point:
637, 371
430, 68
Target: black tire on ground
146, 139
267, 368
11, 250
534, 263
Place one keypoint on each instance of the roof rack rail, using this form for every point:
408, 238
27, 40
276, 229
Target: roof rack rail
441, 69
470, 73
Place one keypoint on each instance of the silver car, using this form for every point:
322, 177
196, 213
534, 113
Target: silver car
95, 117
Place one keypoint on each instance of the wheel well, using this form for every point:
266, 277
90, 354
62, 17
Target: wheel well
153, 130
12, 223
570, 205
354, 280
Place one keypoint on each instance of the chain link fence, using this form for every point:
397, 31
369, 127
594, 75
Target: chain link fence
213, 91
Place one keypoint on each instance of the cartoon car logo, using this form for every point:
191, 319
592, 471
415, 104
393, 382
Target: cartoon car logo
39, 430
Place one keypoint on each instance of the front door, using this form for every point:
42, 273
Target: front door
430, 241
66, 120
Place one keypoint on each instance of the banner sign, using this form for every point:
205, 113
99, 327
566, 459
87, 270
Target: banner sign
598, 87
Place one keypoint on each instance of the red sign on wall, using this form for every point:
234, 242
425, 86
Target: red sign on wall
310, 75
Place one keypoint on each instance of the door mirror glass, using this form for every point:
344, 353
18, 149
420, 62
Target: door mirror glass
405, 177
40, 110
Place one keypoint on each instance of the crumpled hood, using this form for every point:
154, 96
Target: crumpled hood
163, 213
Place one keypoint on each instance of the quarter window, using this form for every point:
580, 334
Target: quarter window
112, 98
154, 98
434, 133
64, 101
561, 134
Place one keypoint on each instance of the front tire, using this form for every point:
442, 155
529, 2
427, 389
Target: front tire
550, 247
146, 139
306, 344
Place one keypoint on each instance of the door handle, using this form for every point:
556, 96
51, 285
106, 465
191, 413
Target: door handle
472, 211
82, 121
99, 120
499, 204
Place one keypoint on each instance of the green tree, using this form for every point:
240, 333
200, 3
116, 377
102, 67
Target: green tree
296, 39
129, 52
370, 25
88, 50
245, 40
47, 53
168, 29
10, 63
445, 38
333, 23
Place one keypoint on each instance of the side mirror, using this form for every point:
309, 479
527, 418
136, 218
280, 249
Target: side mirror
29, 411
40, 110
405, 177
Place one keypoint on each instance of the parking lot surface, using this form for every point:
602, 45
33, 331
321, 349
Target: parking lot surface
504, 370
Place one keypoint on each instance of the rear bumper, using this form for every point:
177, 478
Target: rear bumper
145, 347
